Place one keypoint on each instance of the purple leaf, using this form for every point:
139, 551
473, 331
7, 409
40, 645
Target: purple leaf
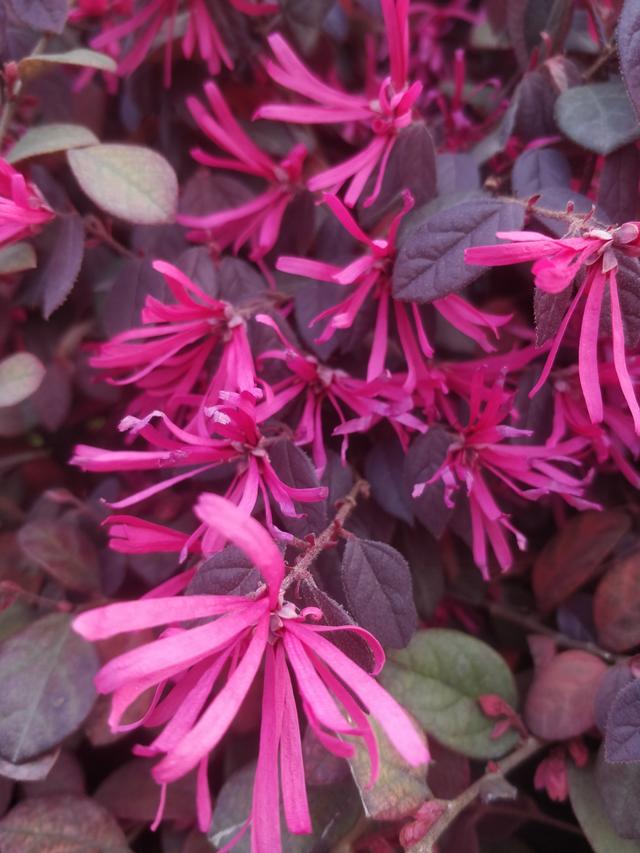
136, 280
618, 186
229, 572
457, 173
538, 168
382, 464
598, 116
30, 771
239, 282
59, 264
548, 310
305, 19
615, 679
535, 100
431, 263
622, 735
377, 582
425, 456
307, 594
629, 49
619, 787
628, 276
197, 264
412, 166
41, 15
62, 550
47, 675
294, 468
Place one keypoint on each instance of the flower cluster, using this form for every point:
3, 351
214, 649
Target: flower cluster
335, 288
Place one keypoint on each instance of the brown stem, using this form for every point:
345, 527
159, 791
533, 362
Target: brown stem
96, 228
345, 507
607, 53
455, 807
9, 106
533, 625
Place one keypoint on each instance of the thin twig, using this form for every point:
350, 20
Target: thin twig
455, 807
530, 623
345, 507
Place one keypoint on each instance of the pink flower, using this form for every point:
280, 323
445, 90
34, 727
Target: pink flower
234, 436
557, 263
224, 655
22, 208
479, 455
369, 277
159, 18
386, 115
614, 439
258, 221
167, 355
370, 401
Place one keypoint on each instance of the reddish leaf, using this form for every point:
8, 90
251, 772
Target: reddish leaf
65, 777
64, 551
130, 793
575, 555
616, 606
560, 702
61, 824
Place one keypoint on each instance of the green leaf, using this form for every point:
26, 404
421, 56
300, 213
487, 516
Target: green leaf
334, 810
590, 812
48, 138
20, 377
599, 116
439, 678
46, 673
133, 183
30, 66
17, 258
399, 789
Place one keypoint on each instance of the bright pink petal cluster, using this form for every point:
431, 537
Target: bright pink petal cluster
23, 210
200, 674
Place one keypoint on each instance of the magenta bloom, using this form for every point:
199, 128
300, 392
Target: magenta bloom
201, 675
369, 277
614, 439
385, 115
234, 436
479, 454
22, 208
370, 401
158, 18
167, 355
557, 263
258, 221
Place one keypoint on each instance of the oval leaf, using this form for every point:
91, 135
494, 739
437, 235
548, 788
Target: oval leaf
431, 263
64, 551
622, 740
629, 49
561, 700
598, 117
133, 183
17, 258
619, 787
591, 814
575, 554
377, 582
64, 824
42, 15
439, 678
46, 672
399, 788
20, 377
48, 138
29, 66
616, 605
